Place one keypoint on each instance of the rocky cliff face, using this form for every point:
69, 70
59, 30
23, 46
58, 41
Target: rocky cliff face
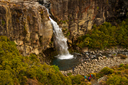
76, 17
27, 24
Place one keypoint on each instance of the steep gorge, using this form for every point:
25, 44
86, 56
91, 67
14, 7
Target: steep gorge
27, 23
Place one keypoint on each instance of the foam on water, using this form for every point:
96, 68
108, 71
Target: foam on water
62, 57
60, 42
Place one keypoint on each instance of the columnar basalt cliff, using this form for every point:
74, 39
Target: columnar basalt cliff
27, 24
78, 16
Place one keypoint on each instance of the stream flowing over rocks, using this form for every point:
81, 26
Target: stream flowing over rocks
94, 61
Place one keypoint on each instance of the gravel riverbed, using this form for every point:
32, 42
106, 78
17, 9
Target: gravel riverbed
95, 65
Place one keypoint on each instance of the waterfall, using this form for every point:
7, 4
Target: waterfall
60, 42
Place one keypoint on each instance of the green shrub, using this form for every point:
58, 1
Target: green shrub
117, 80
126, 71
56, 68
6, 77
69, 74
68, 34
3, 22
121, 65
98, 75
77, 79
126, 66
114, 80
107, 71
104, 71
118, 77
97, 8
118, 72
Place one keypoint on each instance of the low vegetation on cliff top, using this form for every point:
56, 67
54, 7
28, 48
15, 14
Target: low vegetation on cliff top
16, 69
105, 36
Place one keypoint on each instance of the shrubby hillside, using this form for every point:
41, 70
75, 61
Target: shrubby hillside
16, 69
105, 35
114, 76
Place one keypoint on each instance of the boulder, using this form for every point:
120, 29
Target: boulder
19, 42
36, 51
104, 78
85, 49
69, 41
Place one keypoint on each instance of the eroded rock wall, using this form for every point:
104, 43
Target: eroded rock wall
27, 24
78, 16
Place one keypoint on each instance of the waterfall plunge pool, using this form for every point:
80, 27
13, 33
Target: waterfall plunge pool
64, 57
64, 60
66, 64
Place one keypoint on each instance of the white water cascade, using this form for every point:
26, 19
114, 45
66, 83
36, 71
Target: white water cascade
60, 42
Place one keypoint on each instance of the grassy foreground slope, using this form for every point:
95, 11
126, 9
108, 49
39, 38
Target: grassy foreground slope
16, 69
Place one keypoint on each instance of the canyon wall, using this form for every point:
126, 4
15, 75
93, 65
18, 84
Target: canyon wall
76, 17
27, 24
